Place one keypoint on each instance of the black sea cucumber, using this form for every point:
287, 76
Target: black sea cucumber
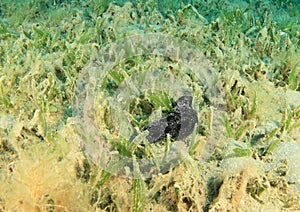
178, 123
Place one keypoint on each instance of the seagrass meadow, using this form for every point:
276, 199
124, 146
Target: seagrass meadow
254, 47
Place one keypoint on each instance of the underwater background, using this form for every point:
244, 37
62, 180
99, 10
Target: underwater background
252, 45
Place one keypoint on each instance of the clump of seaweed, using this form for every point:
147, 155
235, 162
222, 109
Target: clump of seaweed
31, 182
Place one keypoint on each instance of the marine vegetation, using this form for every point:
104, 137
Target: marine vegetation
254, 47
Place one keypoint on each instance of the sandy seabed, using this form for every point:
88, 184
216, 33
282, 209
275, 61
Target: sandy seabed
252, 45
